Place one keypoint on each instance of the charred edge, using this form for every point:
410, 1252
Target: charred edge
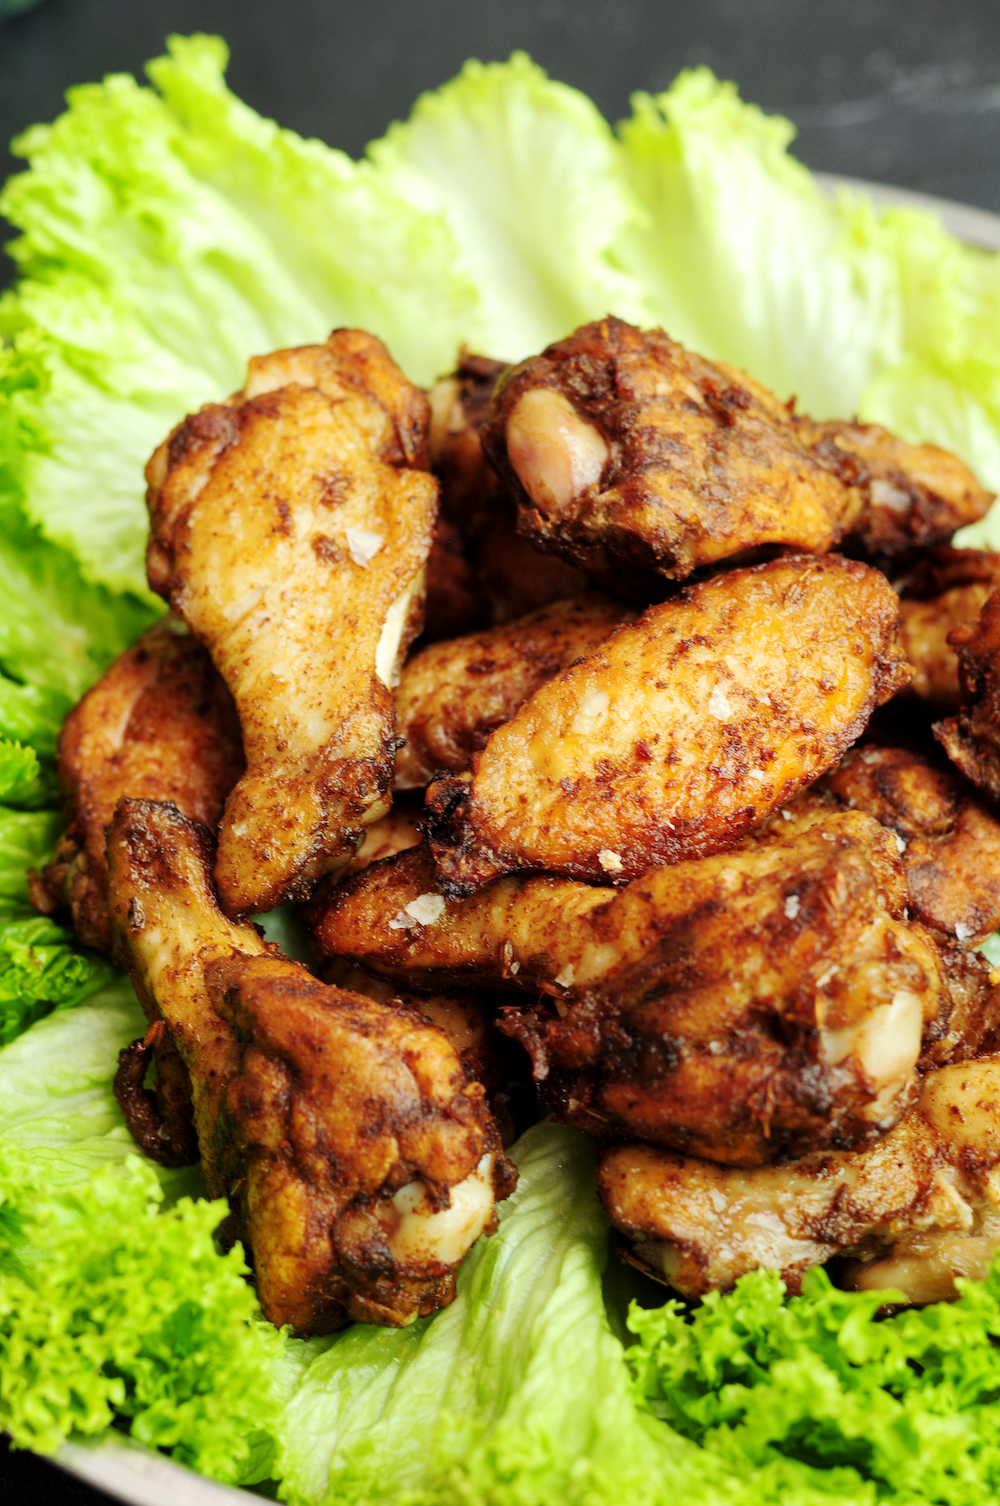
160, 1124
462, 866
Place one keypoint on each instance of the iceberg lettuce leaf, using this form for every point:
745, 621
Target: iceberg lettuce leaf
526, 173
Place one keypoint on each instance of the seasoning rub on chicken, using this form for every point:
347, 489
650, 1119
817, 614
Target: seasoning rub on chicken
357, 1153
289, 528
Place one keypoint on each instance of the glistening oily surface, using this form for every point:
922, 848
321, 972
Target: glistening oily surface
167, 237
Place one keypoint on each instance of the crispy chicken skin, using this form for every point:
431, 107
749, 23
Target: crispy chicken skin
745, 1007
946, 589
681, 733
631, 456
289, 527
393, 833
512, 576
452, 695
917, 1208
912, 495
159, 724
951, 842
972, 738
358, 1156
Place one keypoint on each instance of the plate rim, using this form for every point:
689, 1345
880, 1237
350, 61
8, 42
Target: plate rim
139, 1476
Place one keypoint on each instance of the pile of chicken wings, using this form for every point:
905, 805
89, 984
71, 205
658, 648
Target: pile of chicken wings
629, 742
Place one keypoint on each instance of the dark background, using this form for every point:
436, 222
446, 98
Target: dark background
900, 91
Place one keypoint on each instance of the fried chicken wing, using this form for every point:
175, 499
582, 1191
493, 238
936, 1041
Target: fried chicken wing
289, 527
972, 738
946, 589
358, 1156
912, 496
631, 457
452, 695
950, 841
681, 733
159, 724
512, 576
393, 833
753, 1004
917, 1208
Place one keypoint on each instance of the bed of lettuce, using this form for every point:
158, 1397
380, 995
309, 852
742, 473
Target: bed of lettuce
165, 233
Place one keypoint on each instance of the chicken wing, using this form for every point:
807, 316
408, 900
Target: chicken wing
513, 577
393, 833
917, 1208
632, 457
681, 733
452, 695
753, 1004
950, 841
159, 724
358, 1156
913, 496
947, 589
289, 527
972, 738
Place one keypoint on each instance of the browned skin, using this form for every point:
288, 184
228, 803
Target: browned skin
913, 496
512, 577
946, 589
632, 457
455, 602
451, 696
159, 1119
159, 724
251, 502
916, 1209
468, 1018
972, 738
681, 733
314, 1107
951, 842
747, 1006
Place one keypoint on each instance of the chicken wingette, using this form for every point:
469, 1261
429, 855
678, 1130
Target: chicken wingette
289, 527
915, 1210
358, 1156
452, 695
159, 724
744, 1007
632, 457
682, 732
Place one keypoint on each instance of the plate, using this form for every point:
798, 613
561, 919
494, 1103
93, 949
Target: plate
131, 1473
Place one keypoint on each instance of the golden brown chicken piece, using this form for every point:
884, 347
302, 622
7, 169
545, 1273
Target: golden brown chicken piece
746, 1006
681, 733
452, 695
512, 576
972, 738
358, 1156
912, 495
950, 841
159, 724
946, 589
916, 1209
454, 602
632, 457
289, 527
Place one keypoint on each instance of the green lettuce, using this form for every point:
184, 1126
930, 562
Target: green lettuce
526, 173
41, 969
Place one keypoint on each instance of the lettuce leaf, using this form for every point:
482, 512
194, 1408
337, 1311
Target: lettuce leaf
26, 841
816, 1386
525, 172
159, 249
41, 969
517, 1393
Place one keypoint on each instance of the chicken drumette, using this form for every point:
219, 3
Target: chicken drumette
289, 527
632, 457
358, 1155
